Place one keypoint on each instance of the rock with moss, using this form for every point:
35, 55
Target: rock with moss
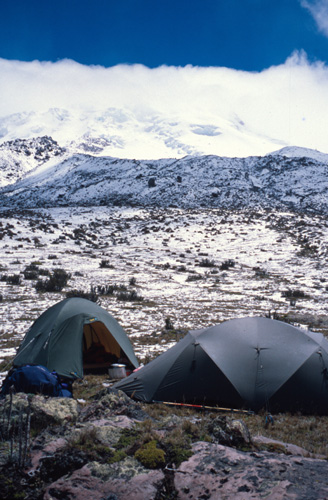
44, 410
96, 432
127, 479
54, 410
108, 402
230, 432
117, 448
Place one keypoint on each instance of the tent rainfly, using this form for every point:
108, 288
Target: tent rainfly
248, 363
73, 336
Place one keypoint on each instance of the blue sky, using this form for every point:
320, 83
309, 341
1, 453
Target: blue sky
254, 71
249, 35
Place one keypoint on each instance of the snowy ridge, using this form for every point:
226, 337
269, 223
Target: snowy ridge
273, 181
297, 152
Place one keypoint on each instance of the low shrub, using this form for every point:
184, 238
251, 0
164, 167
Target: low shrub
294, 294
11, 279
227, 264
260, 273
207, 263
131, 296
32, 267
107, 289
31, 272
168, 324
30, 275
44, 272
84, 295
57, 280
194, 277
105, 264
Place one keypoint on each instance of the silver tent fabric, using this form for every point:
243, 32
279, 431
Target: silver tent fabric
249, 363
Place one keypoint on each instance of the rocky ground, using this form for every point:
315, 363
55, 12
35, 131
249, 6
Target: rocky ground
110, 447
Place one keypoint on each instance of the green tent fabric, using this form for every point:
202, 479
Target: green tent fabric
74, 335
246, 363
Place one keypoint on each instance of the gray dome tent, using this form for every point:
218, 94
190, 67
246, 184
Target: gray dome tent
249, 363
72, 336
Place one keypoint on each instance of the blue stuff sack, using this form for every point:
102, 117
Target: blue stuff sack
33, 379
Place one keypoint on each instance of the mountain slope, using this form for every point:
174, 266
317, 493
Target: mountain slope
19, 156
273, 181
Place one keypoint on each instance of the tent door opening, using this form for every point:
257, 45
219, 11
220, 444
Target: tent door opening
99, 348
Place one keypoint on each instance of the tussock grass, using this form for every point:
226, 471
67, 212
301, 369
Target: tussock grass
307, 431
89, 386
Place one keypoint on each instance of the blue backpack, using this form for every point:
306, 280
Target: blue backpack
34, 379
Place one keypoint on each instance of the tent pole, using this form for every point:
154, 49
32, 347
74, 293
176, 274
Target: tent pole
203, 407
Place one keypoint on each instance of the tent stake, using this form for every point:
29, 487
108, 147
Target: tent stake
203, 407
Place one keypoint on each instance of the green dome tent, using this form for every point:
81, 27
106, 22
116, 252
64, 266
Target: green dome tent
73, 336
247, 363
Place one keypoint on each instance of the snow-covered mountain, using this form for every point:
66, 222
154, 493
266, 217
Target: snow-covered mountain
124, 132
61, 177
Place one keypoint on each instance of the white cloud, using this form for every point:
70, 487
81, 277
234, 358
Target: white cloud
283, 105
319, 11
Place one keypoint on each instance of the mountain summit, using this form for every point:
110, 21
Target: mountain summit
129, 133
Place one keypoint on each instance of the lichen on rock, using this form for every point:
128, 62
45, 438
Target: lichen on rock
125, 469
54, 410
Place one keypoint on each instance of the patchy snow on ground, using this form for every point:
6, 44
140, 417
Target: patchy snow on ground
197, 267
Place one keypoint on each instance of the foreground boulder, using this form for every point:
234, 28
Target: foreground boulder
214, 471
118, 449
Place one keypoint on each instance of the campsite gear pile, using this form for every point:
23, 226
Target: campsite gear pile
35, 379
248, 363
117, 371
73, 337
